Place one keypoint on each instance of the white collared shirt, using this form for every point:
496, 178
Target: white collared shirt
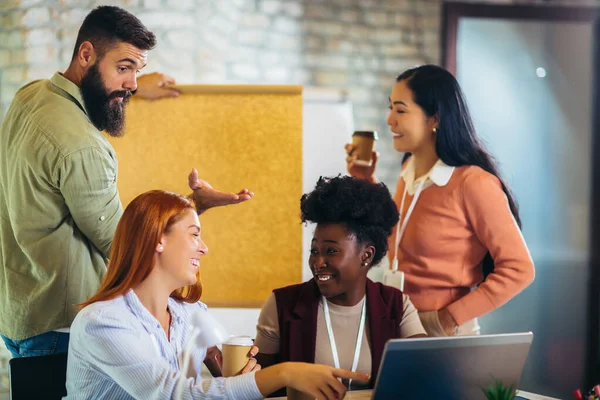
118, 350
439, 174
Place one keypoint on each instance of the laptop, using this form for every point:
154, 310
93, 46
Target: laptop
450, 368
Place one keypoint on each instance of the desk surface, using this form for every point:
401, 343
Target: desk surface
366, 395
355, 395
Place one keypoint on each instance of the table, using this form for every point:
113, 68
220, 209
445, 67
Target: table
354, 395
366, 395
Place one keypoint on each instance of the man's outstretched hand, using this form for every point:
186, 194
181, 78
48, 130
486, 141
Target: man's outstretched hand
207, 197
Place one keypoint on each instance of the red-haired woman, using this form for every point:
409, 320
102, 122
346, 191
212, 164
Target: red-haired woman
127, 340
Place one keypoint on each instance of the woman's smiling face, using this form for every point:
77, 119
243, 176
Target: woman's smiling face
336, 260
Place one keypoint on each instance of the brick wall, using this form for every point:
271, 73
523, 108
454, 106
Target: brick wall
355, 44
359, 45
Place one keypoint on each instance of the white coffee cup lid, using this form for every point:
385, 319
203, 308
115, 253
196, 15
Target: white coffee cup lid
240, 341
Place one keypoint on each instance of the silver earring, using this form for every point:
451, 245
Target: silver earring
366, 264
160, 248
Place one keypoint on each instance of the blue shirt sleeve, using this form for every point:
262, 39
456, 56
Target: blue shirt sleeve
115, 347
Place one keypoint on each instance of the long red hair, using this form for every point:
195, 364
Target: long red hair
143, 223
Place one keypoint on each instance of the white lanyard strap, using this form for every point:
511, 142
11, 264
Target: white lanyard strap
402, 223
361, 329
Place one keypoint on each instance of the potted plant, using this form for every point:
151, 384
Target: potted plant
499, 391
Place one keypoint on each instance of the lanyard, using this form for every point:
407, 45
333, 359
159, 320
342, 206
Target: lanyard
402, 223
361, 329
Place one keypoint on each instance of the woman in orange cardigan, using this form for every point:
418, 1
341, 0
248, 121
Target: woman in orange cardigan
458, 240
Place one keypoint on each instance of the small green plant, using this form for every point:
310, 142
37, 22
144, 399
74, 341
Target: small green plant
499, 391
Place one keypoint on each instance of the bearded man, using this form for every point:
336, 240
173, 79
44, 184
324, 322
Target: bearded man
59, 204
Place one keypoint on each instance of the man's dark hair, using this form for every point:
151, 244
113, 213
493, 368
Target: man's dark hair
366, 209
104, 26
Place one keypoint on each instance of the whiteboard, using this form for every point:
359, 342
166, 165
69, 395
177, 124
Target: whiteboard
327, 125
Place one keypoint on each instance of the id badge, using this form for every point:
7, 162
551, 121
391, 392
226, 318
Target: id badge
394, 279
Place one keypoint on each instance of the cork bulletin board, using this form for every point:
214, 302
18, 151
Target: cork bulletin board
237, 136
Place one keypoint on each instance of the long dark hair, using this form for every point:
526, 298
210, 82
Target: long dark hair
437, 92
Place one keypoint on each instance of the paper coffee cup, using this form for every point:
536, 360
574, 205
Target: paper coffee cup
293, 394
363, 142
236, 352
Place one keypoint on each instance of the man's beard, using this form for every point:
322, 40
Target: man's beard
105, 113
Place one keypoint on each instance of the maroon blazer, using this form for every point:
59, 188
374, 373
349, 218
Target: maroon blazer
297, 308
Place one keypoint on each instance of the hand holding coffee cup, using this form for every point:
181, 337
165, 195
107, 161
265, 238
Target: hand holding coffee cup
361, 159
363, 142
252, 364
238, 356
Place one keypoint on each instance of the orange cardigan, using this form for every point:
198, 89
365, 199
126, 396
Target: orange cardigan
448, 234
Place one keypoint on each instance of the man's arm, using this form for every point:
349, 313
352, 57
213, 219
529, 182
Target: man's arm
87, 180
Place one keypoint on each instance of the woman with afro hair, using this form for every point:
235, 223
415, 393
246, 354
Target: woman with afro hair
340, 317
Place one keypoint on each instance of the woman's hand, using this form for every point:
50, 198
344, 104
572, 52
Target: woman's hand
359, 171
252, 364
320, 381
214, 361
447, 322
